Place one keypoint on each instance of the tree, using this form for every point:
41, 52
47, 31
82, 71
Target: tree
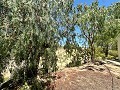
4, 42
30, 31
111, 28
91, 22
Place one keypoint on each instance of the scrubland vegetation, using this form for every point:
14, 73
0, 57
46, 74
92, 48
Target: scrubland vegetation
43, 36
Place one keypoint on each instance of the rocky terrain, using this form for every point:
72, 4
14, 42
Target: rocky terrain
88, 77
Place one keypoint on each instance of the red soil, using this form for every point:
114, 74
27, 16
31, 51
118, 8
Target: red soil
85, 79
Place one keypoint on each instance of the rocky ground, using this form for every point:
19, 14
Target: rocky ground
88, 77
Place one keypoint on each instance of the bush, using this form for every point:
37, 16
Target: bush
113, 53
110, 57
99, 53
24, 87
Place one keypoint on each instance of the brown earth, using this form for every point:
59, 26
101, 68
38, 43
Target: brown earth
87, 77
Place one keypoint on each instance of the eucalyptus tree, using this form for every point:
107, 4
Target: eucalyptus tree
4, 41
115, 10
31, 30
91, 19
67, 32
111, 28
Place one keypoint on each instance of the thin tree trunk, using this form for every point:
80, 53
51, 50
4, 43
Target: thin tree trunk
92, 53
105, 49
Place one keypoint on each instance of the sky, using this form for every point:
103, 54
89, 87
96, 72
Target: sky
101, 2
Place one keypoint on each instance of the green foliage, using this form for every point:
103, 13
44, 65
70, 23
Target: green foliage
113, 53
99, 53
24, 87
74, 63
109, 57
31, 30
111, 28
91, 22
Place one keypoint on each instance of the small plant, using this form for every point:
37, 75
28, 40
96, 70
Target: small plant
113, 53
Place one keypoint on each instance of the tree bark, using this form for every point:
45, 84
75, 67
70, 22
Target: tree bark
92, 53
105, 50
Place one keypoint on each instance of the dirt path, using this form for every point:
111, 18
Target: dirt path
115, 63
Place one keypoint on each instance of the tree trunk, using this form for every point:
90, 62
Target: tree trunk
105, 49
92, 53
1, 78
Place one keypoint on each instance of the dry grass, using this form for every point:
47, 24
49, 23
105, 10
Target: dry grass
63, 58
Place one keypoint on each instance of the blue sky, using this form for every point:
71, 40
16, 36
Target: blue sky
101, 2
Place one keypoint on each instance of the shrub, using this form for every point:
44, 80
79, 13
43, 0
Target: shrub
110, 57
113, 53
99, 53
